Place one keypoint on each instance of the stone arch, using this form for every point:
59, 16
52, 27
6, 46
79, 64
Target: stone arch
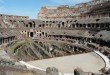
80, 25
27, 25
31, 34
107, 25
102, 25
73, 25
77, 24
88, 25
30, 24
109, 14
93, 25
84, 25
97, 25
63, 24
58, 25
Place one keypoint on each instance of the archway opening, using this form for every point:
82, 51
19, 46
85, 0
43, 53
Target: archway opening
76, 72
31, 34
30, 24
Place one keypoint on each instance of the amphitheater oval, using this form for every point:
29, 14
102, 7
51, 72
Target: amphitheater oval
88, 62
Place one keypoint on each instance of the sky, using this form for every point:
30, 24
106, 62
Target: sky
31, 7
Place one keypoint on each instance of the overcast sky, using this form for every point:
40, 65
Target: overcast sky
31, 7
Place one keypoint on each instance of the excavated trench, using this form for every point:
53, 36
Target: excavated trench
29, 50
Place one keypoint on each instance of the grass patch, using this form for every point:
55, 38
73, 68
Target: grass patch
17, 45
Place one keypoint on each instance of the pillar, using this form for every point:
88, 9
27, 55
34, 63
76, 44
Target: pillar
79, 71
52, 71
0, 41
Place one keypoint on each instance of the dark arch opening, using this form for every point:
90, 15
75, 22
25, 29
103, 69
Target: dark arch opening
30, 24
58, 25
76, 72
63, 24
31, 34
26, 25
109, 14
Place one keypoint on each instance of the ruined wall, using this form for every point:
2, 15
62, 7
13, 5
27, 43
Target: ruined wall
11, 72
13, 17
69, 12
9, 67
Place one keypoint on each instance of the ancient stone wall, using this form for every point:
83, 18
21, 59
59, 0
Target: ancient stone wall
13, 17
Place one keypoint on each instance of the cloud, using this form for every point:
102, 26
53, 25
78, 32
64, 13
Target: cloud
68, 2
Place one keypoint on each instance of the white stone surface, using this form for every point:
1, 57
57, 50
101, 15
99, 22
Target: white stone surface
88, 62
105, 58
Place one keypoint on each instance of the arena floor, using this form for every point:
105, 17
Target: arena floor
88, 62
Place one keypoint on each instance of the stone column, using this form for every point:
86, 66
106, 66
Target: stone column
79, 71
52, 71
0, 41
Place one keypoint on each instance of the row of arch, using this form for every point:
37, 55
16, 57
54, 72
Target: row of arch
4, 40
70, 24
87, 42
31, 24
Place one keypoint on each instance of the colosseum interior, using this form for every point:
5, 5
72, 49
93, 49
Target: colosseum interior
63, 40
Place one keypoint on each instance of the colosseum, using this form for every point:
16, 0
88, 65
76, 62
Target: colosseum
63, 40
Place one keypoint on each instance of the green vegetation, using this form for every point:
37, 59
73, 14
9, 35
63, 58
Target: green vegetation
34, 50
17, 45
